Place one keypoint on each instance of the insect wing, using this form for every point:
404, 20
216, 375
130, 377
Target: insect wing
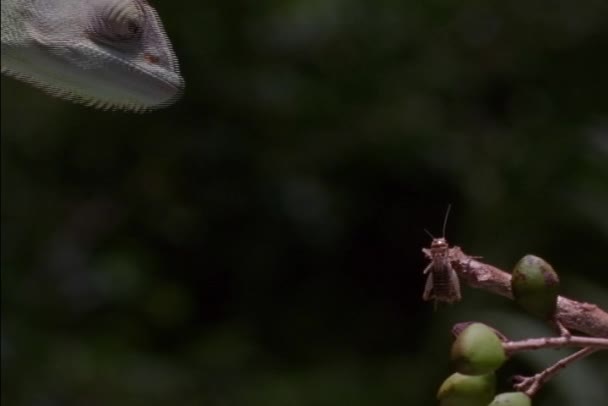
442, 283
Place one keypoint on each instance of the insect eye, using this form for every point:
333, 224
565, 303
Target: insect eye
120, 21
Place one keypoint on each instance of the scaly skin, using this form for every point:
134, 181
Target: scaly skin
109, 54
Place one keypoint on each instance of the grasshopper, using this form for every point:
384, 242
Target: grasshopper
442, 284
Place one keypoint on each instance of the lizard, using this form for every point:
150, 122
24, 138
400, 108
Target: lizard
109, 54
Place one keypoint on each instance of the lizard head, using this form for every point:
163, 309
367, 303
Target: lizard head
111, 54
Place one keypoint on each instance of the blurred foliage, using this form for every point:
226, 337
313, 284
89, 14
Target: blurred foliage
258, 243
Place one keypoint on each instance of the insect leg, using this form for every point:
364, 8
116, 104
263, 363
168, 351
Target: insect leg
454, 282
428, 287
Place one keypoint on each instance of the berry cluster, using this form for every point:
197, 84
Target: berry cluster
479, 350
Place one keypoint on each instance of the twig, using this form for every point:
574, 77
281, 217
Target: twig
531, 385
563, 331
584, 317
511, 347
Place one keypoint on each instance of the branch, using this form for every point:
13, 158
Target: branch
511, 347
531, 385
587, 318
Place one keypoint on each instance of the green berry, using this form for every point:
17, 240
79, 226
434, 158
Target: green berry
512, 399
467, 390
477, 350
535, 286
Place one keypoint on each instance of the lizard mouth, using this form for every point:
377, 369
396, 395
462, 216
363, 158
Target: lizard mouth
94, 77
137, 84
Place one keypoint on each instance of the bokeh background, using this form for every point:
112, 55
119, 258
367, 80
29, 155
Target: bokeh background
259, 242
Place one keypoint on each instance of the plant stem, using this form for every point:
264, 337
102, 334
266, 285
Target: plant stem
511, 347
531, 385
587, 318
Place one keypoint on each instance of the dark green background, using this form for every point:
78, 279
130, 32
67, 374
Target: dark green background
258, 243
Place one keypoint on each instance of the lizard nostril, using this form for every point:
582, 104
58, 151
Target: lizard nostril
151, 58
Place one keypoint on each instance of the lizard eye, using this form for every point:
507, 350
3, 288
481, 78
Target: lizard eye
120, 21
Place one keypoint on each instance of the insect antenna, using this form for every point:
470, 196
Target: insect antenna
445, 220
429, 233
